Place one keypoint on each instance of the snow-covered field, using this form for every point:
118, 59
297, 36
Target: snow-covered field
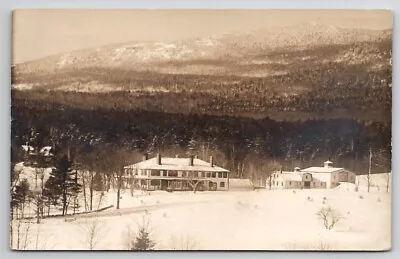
239, 220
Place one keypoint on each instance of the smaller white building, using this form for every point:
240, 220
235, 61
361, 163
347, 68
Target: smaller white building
312, 177
332, 176
294, 180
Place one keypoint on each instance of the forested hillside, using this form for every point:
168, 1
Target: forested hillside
256, 101
237, 142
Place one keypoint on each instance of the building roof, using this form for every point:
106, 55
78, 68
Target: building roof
318, 169
290, 176
45, 151
174, 163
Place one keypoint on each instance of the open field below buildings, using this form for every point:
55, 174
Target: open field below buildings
247, 220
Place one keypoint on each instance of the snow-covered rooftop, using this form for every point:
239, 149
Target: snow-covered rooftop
290, 176
44, 150
175, 163
317, 169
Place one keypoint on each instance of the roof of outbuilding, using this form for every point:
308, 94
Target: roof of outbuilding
317, 169
293, 177
290, 176
45, 151
174, 163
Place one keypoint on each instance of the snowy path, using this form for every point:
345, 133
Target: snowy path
140, 209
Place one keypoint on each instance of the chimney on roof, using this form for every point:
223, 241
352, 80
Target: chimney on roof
191, 160
297, 169
328, 164
158, 159
211, 161
145, 156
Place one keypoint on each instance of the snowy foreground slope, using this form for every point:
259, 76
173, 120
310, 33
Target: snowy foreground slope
262, 220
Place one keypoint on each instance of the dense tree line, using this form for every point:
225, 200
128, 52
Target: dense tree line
365, 103
236, 140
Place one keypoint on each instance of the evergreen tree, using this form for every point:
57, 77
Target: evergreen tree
143, 241
21, 194
63, 183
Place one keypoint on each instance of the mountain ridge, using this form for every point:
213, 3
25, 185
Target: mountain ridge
228, 74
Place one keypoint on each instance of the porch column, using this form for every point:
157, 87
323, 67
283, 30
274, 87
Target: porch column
228, 180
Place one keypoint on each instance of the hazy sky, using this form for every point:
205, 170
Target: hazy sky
39, 33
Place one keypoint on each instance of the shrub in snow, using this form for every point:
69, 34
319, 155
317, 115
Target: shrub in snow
356, 188
294, 191
69, 219
324, 198
182, 243
323, 246
379, 200
164, 215
361, 197
157, 201
323, 202
329, 217
309, 198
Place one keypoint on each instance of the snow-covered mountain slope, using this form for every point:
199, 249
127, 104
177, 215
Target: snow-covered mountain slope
214, 50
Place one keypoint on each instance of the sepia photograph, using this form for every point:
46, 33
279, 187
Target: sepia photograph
201, 130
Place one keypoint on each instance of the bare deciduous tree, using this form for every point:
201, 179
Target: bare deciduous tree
22, 233
93, 233
329, 216
388, 181
182, 243
192, 181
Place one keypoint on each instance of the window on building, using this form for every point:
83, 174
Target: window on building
200, 174
213, 175
155, 182
225, 175
281, 183
162, 173
173, 173
183, 174
155, 173
290, 183
222, 184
